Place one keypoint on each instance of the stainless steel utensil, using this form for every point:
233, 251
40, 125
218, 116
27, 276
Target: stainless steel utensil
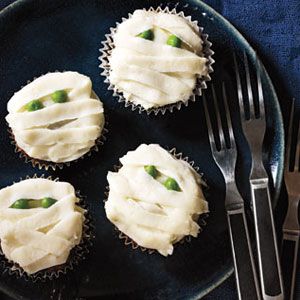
254, 127
291, 228
225, 158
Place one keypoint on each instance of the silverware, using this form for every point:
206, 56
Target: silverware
254, 127
225, 157
291, 228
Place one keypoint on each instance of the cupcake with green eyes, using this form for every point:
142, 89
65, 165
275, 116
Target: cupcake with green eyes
43, 228
56, 119
156, 60
155, 199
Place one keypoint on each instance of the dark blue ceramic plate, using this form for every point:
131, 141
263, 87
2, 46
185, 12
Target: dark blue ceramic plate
38, 36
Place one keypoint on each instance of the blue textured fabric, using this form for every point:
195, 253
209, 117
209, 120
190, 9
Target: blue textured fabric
273, 28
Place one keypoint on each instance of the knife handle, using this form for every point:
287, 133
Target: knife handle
289, 256
245, 273
267, 250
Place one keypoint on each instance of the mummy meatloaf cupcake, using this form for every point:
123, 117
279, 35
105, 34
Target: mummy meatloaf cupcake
56, 118
155, 199
40, 223
156, 59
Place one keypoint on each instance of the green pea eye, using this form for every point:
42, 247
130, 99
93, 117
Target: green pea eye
174, 41
60, 96
20, 204
34, 105
147, 35
151, 170
31, 203
171, 184
47, 202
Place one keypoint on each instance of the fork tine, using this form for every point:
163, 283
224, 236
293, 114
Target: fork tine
220, 128
297, 154
249, 88
209, 127
228, 118
260, 91
239, 89
289, 140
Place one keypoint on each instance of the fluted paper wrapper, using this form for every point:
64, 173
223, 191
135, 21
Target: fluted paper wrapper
108, 46
77, 254
187, 239
48, 165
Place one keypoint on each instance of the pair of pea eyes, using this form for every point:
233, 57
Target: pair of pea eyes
60, 96
172, 40
30, 203
170, 183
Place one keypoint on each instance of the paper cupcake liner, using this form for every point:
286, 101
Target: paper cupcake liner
43, 164
108, 46
186, 239
77, 254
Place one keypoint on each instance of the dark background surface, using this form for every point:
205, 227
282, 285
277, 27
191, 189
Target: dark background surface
273, 29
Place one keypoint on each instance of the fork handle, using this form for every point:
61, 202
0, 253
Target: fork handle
289, 256
267, 250
245, 273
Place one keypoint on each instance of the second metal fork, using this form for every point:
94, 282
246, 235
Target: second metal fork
254, 127
225, 157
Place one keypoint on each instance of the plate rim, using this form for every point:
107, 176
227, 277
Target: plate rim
239, 36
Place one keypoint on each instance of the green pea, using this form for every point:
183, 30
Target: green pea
60, 96
34, 105
171, 184
47, 202
174, 41
20, 204
147, 35
151, 170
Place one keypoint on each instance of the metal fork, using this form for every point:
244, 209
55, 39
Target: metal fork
225, 158
291, 228
254, 127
